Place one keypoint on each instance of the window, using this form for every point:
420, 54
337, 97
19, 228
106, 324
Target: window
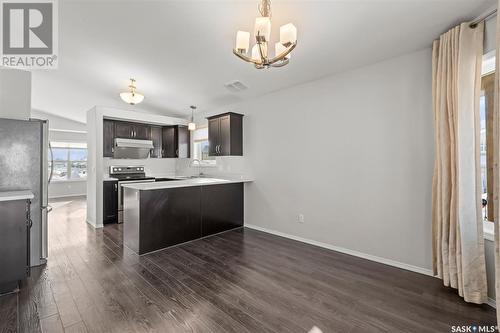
69, 161
200, 146
486, 140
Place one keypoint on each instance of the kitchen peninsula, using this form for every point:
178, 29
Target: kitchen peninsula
159, 215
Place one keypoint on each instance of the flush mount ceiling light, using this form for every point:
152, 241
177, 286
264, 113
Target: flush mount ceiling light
132, 96
260, 55
192, 125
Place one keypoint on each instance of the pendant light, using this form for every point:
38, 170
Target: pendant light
132, 97
192, 125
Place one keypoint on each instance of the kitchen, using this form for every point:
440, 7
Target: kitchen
126, 142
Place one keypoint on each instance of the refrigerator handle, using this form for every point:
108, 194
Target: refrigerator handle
51, 163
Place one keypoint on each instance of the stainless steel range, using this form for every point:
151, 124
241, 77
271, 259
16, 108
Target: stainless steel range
127, 175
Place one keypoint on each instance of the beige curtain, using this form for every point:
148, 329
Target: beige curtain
496, 168
458, 244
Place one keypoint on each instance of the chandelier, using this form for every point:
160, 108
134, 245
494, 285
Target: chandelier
132, 96
260, 55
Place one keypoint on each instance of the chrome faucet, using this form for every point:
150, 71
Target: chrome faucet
199, 166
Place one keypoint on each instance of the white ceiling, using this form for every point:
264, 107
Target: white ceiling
180, 51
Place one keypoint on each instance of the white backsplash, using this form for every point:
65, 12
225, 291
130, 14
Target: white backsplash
229, 166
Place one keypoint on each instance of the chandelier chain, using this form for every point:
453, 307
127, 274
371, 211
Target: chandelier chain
265, 8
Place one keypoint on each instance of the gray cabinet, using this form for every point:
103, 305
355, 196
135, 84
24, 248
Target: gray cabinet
14, 243
225, 134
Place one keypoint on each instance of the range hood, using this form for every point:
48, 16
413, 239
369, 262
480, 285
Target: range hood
130, 148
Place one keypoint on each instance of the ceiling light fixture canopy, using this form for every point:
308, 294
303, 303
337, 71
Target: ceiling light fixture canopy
192, 125
262, 31
132, 96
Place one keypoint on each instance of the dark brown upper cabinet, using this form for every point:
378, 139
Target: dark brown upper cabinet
108, 127
126, 130
225, 134
176, 142
156, 136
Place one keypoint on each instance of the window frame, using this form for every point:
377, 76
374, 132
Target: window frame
69, 146
204, 163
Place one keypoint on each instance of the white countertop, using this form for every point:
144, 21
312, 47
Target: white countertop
185, 183
109, 179
16, 195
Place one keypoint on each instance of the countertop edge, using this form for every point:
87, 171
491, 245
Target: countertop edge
16, 195
180, 183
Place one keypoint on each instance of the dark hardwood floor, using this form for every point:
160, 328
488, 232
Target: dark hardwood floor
239, 281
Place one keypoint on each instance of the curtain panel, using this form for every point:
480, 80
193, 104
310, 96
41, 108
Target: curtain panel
496, 167
458, 244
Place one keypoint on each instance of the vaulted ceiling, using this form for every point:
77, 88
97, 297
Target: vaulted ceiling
180, 51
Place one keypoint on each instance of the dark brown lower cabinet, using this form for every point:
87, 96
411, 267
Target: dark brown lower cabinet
110, 202
222, 208
155, 219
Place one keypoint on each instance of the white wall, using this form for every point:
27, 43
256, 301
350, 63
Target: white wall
64, 130
15, 93
353, 153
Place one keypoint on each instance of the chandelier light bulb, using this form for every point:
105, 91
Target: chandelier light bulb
259, 56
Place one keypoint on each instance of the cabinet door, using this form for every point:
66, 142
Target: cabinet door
124, 130
156, 137
13, 242
183, 142
221, 208
168, 140
225, 136
110, 202
142, 132
108, 128
213, 136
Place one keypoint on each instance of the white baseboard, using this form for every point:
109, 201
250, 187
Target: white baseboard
89, 222
381, 260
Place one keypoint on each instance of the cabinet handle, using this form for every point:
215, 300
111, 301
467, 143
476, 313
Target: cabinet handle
217, 149
116, 186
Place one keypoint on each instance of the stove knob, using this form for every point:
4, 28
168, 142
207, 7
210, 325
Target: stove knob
119, 169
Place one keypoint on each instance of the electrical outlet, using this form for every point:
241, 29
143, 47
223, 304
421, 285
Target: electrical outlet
301, 218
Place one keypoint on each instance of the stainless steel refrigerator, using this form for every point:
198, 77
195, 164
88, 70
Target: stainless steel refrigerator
24, 155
